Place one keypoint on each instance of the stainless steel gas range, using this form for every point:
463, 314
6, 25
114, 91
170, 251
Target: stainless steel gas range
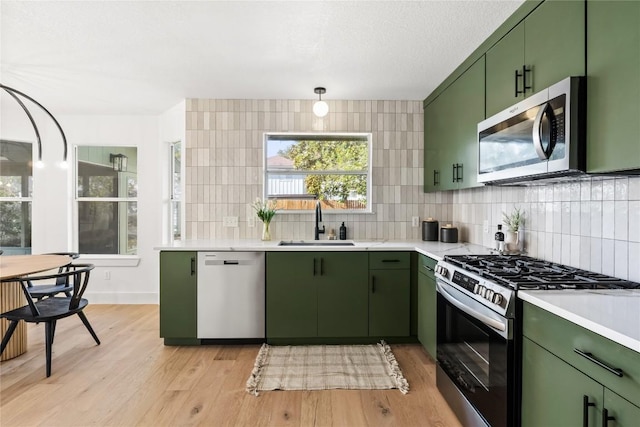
479, 329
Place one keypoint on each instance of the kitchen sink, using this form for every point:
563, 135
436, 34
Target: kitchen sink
316, 243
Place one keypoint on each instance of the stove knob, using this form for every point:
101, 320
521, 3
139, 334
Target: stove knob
481, 290
489, 295
497, 299
441, 270
476, 288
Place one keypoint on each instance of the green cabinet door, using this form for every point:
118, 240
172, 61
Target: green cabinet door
432, 146
503, 60
554, 43
178, 295
389, 303
624, 413
427, 305
291, 295
613, 70
451, 123
553, 391
550, 42
342, 294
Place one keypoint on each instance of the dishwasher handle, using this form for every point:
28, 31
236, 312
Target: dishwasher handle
231, 262
193, 265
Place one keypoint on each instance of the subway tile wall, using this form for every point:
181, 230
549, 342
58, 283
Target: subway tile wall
593, 223
224, 158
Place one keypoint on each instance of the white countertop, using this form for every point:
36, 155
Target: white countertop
435, 250
613, 313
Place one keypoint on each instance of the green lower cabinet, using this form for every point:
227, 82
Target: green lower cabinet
624, 412
316, 294
291, 295
553, 391
389, 303
427, 305
342, 294
178, 297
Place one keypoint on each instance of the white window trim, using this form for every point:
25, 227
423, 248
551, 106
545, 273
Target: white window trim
369, 172
99, 260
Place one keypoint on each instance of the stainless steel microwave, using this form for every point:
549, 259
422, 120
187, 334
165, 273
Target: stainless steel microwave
540, 137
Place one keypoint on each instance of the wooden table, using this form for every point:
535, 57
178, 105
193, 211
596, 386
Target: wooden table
12, 296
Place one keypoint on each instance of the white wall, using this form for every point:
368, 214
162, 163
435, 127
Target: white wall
131, 280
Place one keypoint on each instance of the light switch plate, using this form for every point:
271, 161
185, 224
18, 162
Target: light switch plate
230, 221
251, 222
415, 221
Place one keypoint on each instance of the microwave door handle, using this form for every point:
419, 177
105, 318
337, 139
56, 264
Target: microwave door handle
481, 317
537, 131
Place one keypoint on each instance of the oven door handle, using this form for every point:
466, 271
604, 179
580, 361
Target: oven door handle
481, 317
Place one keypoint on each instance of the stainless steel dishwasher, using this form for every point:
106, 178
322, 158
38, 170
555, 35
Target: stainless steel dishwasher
231, 295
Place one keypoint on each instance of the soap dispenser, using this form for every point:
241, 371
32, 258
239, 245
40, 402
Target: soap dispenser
343, 232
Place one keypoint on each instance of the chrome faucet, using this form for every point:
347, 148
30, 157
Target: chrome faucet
317, 231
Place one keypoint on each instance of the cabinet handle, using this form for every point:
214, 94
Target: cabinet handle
454, 171
585, 410
606, 418
427, 268
591, 358
515, 79
373, 284
193, 266
436, 177
459, 172
525, 70
390, 260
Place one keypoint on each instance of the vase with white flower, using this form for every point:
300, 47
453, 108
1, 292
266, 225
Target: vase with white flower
515, 229
266, 210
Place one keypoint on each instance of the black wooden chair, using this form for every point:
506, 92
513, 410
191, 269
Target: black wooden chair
61, 284
49, 310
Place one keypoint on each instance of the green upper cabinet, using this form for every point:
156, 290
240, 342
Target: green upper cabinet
613, 70
549, 43
178, 295
450, 132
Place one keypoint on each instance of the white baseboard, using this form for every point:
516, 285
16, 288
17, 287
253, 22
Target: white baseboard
122, 298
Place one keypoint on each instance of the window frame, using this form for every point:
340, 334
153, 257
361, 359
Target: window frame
22, 199
134, 255
368, 136
175, 198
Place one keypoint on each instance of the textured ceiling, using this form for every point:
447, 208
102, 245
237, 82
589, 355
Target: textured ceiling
143, 57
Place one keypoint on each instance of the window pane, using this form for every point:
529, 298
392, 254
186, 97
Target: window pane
176, 190
15, 227
97, 174
332, 168
107, 227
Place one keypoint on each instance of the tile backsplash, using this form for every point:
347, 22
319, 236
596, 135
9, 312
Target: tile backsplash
593, 223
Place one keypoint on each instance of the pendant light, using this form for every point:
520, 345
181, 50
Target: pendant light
320, 108
16, 95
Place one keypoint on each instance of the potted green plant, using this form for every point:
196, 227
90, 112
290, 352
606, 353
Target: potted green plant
265, 210
514, 222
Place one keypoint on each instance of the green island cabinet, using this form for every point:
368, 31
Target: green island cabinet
450, 132
543, 49
427, 302
561, 387
613, 81
178, 297
316, 295
389, 294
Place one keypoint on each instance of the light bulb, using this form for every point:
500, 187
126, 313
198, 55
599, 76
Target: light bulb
320, 108
39, 164
64, 165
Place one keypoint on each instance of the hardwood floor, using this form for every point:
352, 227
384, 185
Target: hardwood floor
133, 379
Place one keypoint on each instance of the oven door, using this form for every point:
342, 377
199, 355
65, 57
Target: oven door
476, 351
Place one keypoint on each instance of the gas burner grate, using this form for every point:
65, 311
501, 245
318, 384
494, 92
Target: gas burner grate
522, 272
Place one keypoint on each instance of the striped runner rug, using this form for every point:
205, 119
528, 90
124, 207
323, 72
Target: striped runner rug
322, 367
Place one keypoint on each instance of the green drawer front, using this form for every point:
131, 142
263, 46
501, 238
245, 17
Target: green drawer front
389, 260
427, 265
561, 337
